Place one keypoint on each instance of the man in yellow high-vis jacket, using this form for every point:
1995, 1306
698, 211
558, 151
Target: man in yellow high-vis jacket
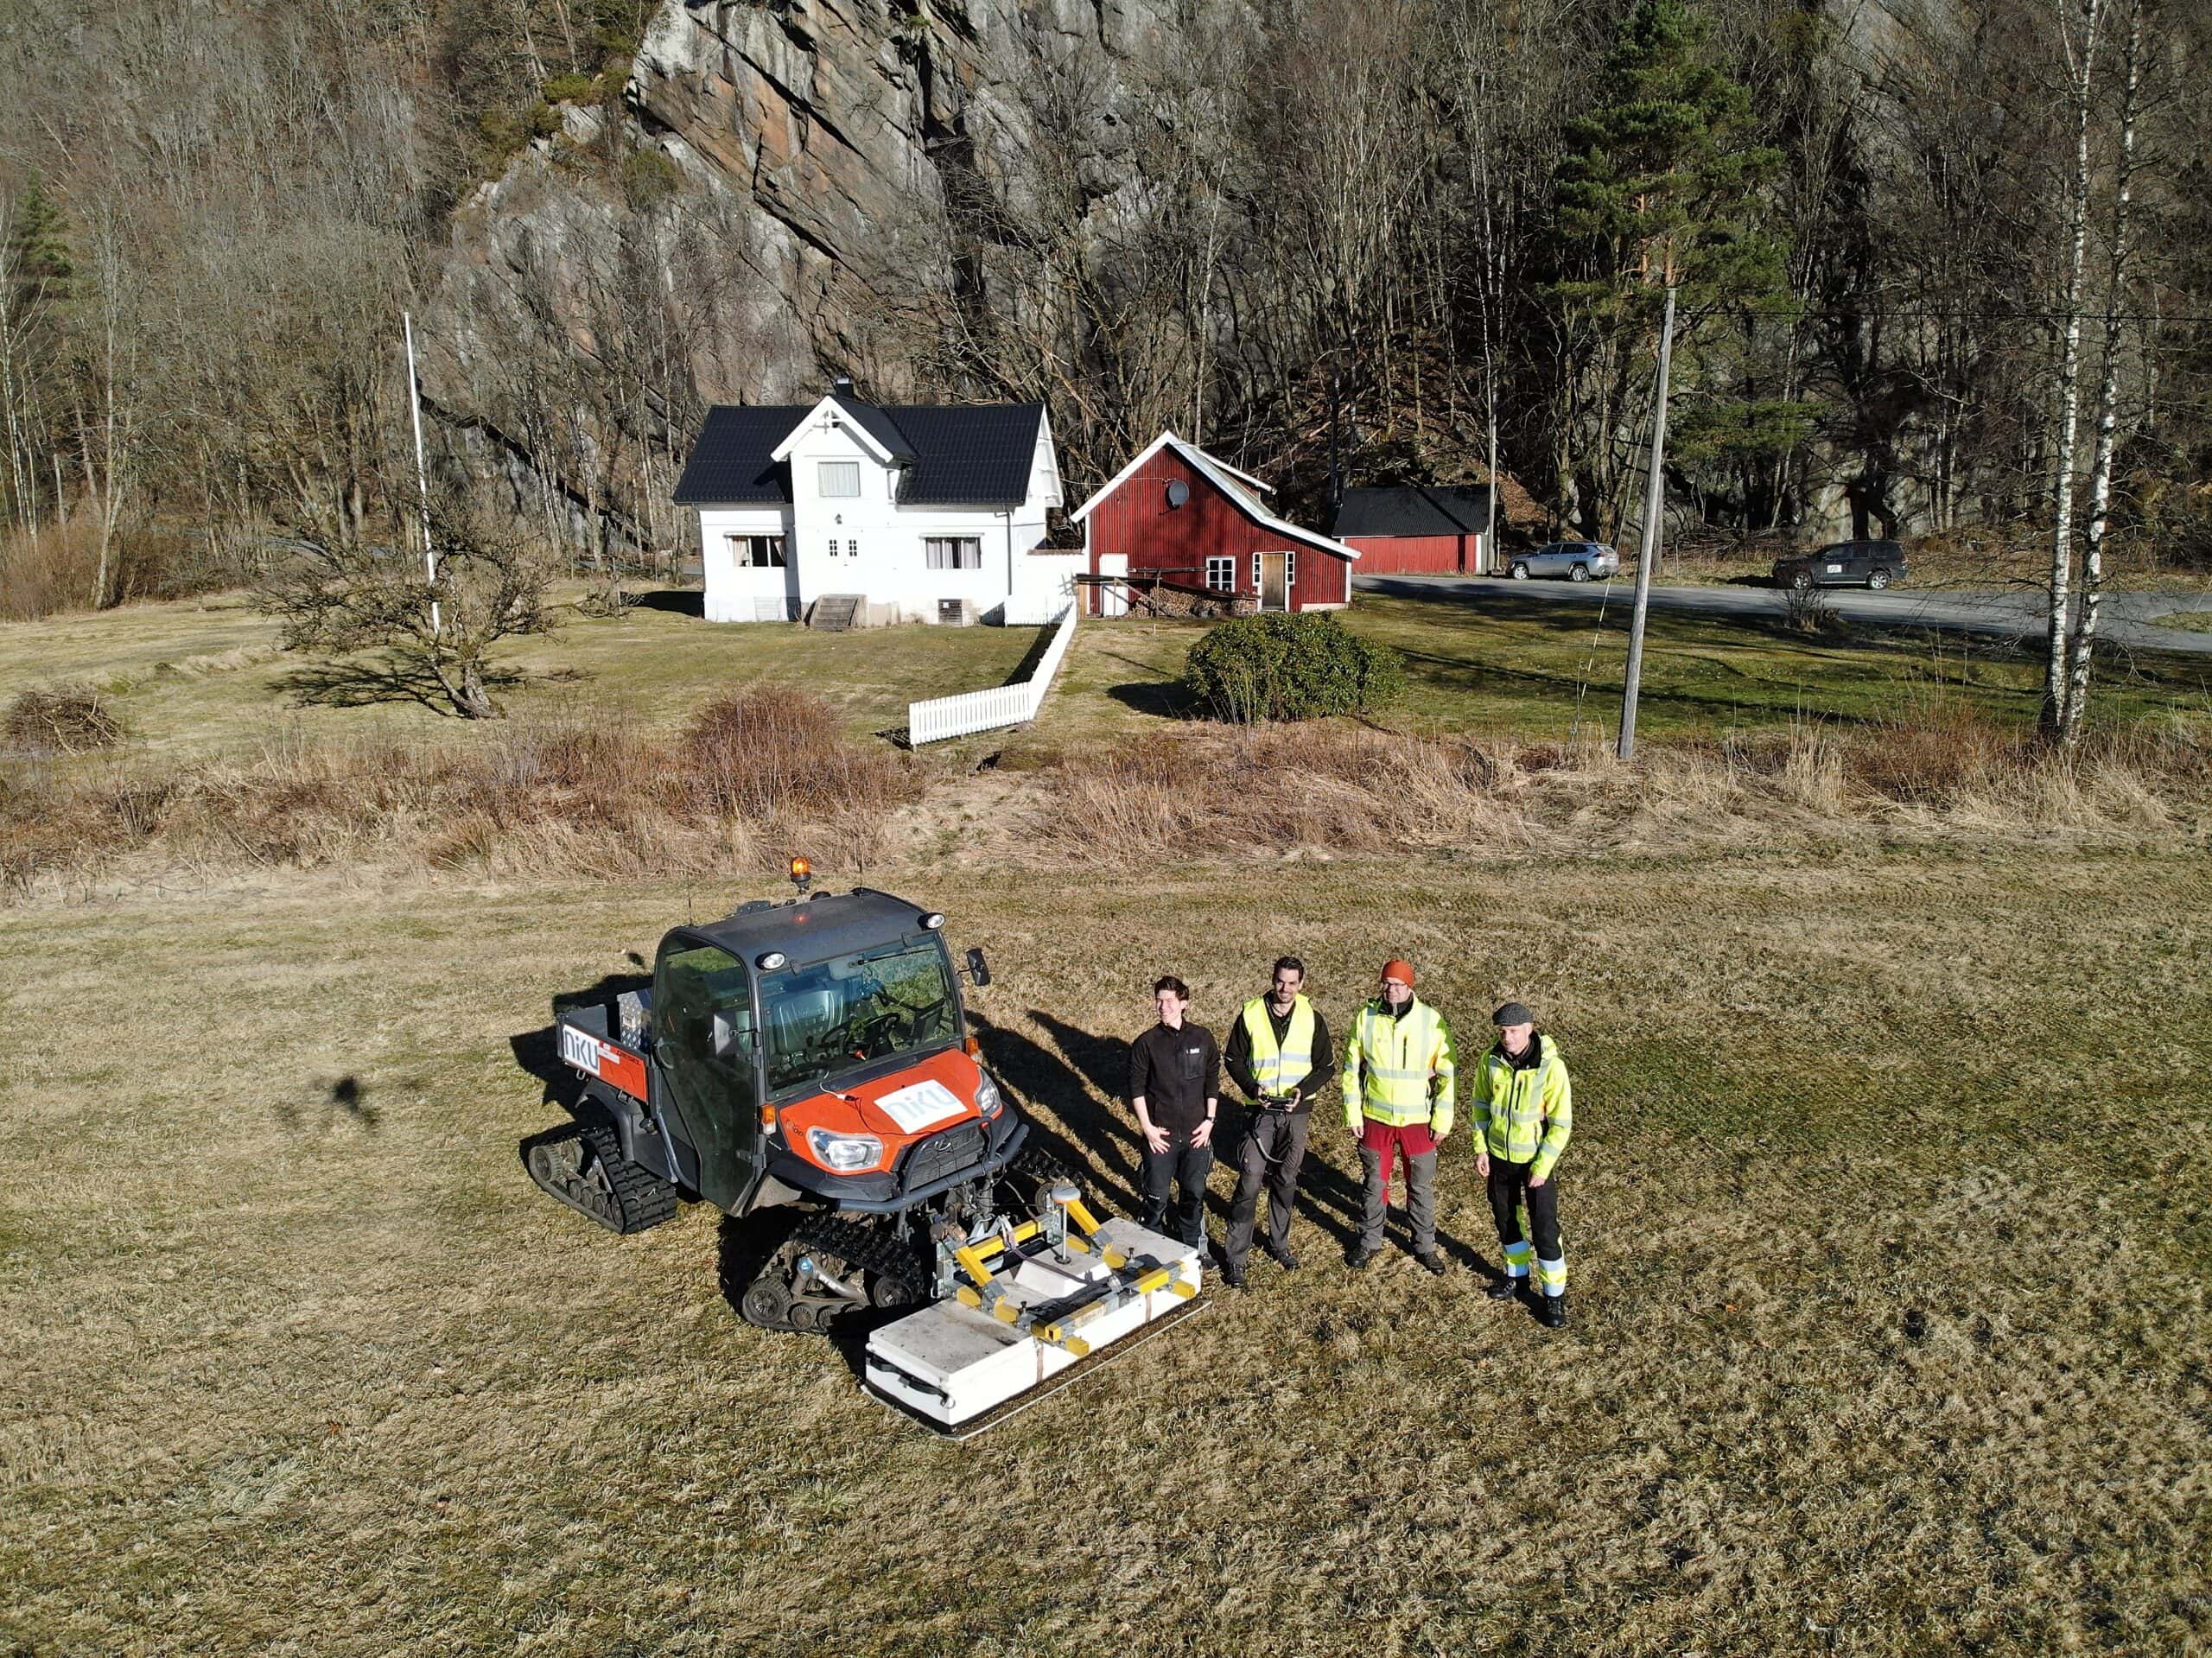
1398, 1093
1523, 1109
1279, 1054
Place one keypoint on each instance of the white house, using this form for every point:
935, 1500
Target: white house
916, 514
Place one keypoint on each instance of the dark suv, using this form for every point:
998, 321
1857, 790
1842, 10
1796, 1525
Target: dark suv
1843, 565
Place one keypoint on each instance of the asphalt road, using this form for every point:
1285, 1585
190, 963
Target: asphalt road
2127, 619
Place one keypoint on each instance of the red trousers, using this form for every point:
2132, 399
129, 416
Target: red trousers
1382, 1138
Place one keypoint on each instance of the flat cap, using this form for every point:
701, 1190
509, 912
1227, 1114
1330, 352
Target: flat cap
1513, 1014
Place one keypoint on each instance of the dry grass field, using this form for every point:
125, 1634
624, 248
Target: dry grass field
191, 676
1888, 1210
1887, 1214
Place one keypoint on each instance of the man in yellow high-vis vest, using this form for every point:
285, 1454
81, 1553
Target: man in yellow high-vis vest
1398, 1080
1523, 1109
1279, 1054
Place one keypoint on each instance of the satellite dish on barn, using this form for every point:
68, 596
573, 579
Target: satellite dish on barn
1177, 492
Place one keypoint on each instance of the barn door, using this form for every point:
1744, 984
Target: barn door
1274, 582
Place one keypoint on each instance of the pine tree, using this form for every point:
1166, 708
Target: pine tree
1664, 183
39, 239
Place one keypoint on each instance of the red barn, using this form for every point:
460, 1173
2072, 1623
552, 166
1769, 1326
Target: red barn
1177, 516
1416, 532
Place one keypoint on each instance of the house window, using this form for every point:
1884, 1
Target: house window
852, 549
833, 546
840, 478
1221, 575
954, 552
756, 552
1289, 570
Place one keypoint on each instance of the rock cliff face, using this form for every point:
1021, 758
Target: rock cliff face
819, 144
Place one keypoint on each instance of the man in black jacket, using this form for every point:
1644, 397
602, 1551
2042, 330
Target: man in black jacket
1175, 1090
1279, 1054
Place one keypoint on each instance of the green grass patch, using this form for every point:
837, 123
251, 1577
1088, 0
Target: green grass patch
195, 676
1542, 672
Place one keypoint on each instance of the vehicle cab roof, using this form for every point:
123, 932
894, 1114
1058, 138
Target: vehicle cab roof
814, 929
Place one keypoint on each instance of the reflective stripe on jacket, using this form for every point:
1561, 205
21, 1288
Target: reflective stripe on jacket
1524, 1115
1275, 1069
1398, 1069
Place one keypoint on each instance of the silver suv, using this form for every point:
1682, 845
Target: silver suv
1578, 561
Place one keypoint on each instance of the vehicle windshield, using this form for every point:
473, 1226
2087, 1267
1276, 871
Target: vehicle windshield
830, 1016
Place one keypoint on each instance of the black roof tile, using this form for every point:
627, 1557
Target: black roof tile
1413, 510
974, 455
729, 464
954, 455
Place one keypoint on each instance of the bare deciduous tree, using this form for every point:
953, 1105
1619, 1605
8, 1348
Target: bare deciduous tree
379, 626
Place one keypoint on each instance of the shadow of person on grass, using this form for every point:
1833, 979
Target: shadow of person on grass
1098, 1142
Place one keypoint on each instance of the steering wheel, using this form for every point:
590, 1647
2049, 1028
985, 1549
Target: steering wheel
877, 1035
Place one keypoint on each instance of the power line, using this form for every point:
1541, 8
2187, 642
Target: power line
2086, 315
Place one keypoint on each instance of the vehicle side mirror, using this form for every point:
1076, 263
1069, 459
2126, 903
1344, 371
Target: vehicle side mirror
979, 970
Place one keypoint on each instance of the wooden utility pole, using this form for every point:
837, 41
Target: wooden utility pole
1649, 554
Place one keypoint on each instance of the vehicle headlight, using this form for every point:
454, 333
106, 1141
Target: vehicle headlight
988, 1101
844, 1152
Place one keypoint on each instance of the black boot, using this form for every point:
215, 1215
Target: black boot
1283, 1258
1505, 1289
1232, 1274
1555, 1311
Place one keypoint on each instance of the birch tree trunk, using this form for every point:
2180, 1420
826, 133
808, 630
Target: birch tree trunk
2081, 63
2093, 549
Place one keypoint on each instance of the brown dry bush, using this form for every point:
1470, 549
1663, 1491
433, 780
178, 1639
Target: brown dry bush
1342, 788
69, 719
54, 571
763, 751
1329, 790
1934, 749
756, 774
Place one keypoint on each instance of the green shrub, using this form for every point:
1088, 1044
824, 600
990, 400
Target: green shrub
1299, 667
649, 179
568, 89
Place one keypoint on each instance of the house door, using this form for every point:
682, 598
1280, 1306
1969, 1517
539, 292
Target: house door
1113, 601
1275, 581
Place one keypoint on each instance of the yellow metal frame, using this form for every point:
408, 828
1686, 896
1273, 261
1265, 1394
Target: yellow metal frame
985, 1294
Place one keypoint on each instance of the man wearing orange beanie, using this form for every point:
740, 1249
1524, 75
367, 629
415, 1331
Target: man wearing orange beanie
1398, 1081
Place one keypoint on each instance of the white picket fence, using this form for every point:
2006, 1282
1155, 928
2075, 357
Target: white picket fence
1002, 705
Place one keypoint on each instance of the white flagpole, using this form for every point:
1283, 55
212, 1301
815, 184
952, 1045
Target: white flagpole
422, 476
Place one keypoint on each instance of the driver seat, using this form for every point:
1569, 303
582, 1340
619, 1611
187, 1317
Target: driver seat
801, 1018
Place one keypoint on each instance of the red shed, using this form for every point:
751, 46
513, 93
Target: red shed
1176, 514
1417, 532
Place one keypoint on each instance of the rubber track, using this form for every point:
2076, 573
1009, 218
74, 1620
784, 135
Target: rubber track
872, 1249
643, 1198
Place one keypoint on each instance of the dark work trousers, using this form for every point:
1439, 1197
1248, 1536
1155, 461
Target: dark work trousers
1273, 1152
1186, 1165
1378, 1141
1508, 1191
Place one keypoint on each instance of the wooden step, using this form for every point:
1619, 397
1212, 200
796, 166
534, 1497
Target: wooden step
833, 612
